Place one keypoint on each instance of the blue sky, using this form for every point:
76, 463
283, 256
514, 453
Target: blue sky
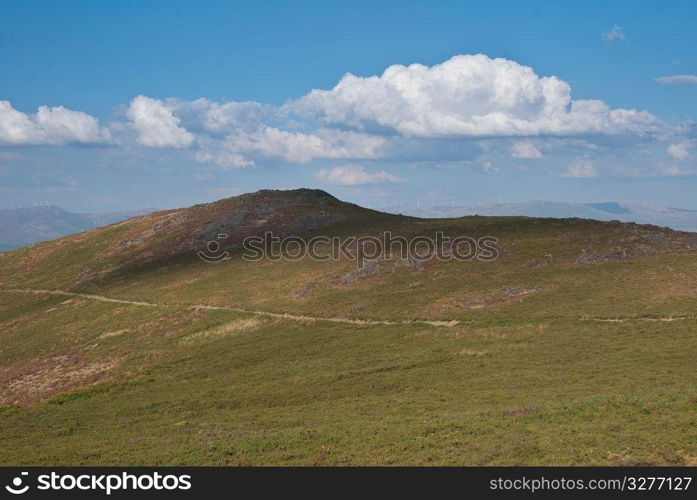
121, 105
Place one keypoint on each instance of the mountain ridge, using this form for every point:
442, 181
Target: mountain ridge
28, 225
640, 213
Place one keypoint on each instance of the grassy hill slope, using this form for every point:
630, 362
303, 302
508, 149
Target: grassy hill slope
576, 346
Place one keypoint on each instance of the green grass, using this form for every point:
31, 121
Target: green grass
518, 382
557, 392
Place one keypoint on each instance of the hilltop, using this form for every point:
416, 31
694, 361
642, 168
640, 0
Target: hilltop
121, 345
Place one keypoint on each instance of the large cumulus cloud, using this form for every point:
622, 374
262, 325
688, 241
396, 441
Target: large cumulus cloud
467, 96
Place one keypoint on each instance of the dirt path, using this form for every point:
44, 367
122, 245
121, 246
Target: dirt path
624, 320
293, 317
304, 317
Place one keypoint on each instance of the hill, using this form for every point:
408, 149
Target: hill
575, 346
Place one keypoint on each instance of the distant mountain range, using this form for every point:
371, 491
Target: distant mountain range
674, 218
24, 226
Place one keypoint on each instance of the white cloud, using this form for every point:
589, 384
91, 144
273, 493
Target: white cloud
467, 96
237, 130
488, 167
156, 124
223, 159
668, 170
580, 169
614, 35
227, 117
525, 151
676, 80
49, 126
355, 175
299, 147
680, 151
221, 116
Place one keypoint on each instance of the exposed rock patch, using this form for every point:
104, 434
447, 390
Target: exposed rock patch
506, 294
307, 289
368, 269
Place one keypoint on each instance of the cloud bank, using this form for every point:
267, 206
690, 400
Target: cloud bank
470, 109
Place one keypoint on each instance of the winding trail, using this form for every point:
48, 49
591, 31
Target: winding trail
666, 319
257, 312
305, 317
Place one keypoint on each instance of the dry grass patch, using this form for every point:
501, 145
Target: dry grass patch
232, 328
115, 333
24, 383
472, 352
690, 461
